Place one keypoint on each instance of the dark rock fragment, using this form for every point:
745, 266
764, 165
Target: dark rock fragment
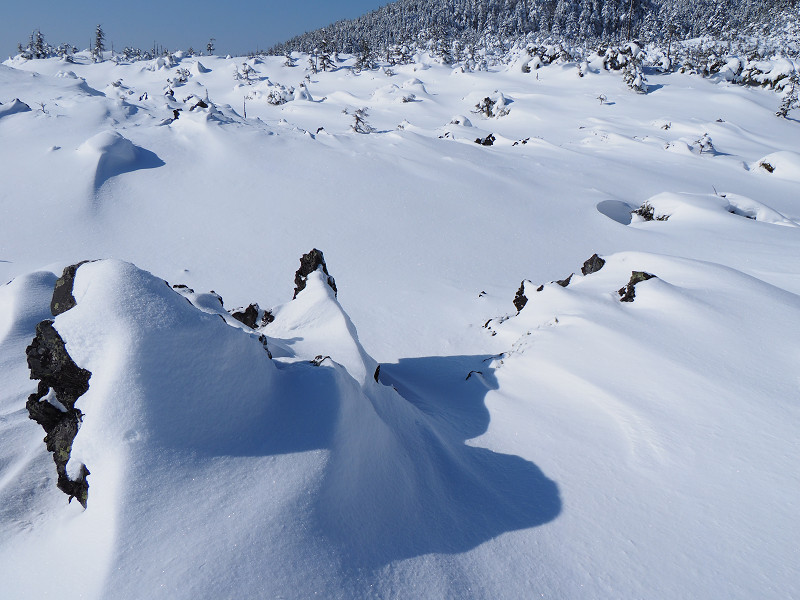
593, 265
63, 299
520, 300
50, 363
628, 293
248, 316
263, 339
267, 318
308, 264
377, 373
487, 141
565, 282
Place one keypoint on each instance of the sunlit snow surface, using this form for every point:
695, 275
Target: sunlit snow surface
583, 448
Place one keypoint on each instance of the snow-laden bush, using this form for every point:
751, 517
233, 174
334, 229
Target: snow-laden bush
279, 95
790, 100
628, 58
493, 106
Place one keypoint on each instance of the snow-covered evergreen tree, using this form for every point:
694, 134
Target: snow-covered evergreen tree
99, 44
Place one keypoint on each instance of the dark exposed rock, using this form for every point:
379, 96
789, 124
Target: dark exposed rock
628, 293
263, 340
377, 372
308, 264
766, 166
565, 282
248, 316
319, 359
267, 318
540, 288
487, 141
520, 300
50, 363
593, 265
63, 299
200, 104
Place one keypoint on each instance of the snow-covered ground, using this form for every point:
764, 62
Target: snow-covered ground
583, 448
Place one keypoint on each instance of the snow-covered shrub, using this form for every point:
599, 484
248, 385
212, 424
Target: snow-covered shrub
704, 144
181, 77
280, 95
634, 78
628, 58
491, 107
790, 100
648, 213
360, 124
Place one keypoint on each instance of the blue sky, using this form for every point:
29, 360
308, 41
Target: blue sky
237, 26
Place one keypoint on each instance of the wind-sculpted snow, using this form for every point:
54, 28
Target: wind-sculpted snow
113, 155
177, 394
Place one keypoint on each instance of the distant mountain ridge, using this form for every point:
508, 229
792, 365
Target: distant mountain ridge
470, 21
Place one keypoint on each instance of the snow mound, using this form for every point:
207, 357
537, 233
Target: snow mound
178, 398
115, 155
708, 208
784, 164
199, 69
13, 107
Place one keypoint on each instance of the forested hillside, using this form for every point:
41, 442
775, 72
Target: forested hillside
472, 21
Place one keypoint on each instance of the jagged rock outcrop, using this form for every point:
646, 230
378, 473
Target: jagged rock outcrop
566, 281
520, 300
61, 383
628, 293
63, 299
592, 265
247, 316
253, 316
308, 264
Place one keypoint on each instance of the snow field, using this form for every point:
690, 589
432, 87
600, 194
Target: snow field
583, 448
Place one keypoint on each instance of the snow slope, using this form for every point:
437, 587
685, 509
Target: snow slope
583, 447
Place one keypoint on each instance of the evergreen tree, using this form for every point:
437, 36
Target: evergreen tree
790, 100
365, 60
99, 44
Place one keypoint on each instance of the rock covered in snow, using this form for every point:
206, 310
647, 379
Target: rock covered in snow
61, 383
592, 265
309, 263
628, 293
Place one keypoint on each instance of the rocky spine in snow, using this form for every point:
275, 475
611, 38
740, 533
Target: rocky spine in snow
628, 293
250, 316
61, 383
308, 264
63, 299
592, 265
520, 300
